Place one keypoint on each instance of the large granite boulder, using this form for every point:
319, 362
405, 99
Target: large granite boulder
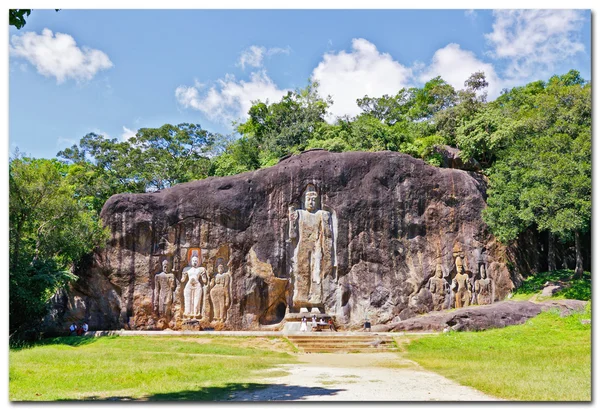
389, 218
482, 317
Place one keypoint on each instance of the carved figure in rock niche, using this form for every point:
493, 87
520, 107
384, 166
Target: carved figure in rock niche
461, 285
164, 285
484, 288
220, 292
195, 279
311, 234
439, 288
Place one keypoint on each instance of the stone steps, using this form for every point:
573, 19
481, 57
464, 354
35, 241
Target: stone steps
333, 343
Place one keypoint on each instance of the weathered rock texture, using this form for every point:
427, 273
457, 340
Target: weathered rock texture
481, 317
397, 217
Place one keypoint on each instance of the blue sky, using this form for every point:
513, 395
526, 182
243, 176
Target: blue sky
115, 71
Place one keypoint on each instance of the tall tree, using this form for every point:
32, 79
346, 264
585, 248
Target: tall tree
286, 126
50, 230
543, 178
156, 158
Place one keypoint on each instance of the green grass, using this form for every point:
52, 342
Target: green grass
546, 359
580, 289
142, 368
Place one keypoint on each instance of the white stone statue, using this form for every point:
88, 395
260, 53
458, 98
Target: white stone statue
195, 279
220, 293
312, 236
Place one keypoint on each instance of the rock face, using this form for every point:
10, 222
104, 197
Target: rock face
481, 317
374, 231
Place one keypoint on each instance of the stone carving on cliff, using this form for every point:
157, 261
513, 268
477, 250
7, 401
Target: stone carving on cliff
220, 292
313, 258
439, 288
484, 288
461, 285
196, 281
164, 285
399, 217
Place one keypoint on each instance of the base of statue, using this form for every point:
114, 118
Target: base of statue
293, 320
190, 324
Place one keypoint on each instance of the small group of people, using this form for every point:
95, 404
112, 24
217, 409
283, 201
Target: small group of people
78, 330
315, 324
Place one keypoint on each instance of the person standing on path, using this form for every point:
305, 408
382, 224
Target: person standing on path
303, 326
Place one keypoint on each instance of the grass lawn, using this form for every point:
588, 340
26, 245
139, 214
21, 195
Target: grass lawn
547, 358
574, 288
142, 368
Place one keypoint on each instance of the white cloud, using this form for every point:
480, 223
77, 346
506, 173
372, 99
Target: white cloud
127, 134
230, 99
455, 65
533, 41
279, 50
471, 14
253, 56
58, 55
363, 71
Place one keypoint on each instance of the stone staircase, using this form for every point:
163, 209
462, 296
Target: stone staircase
342, 342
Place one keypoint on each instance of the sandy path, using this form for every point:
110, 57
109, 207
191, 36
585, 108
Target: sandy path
359, 377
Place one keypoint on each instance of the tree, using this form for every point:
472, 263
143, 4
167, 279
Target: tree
16, 17
285, 127
50, 230
156, 158
543, 178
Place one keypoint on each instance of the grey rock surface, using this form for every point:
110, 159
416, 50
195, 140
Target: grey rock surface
498, 315
397, 217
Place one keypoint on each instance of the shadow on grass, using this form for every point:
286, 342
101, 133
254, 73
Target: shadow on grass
74, 341
233, 392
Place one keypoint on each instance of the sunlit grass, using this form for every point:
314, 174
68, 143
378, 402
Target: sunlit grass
141, 368
546, 358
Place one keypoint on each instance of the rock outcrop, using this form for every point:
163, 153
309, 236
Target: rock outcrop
481, 317
389, 218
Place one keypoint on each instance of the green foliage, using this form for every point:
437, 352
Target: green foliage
542, 175
285, 126
50, 230
580, 289
16, 17
156, 158
546, 359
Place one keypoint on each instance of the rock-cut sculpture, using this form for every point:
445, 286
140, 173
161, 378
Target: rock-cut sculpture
484, 288
164, 285
312, 237
439, 288
461, 285
195, 278
220, 292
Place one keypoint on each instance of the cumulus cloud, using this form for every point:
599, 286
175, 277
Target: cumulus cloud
455, 65
534, 40
253, 56
57, 55
230, 99
127, 134
363, 71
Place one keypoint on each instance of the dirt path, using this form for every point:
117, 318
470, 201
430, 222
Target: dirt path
359, 377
